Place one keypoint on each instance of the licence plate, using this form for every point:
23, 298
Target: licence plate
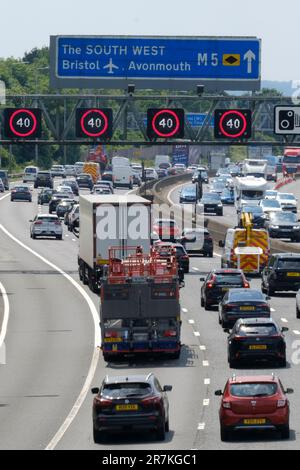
258, 347
255, 421
225, 289
247, 309
127, 407
112, 340
293, 274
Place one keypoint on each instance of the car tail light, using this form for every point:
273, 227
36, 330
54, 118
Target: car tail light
211, 283
246, 285
38, 222
155, 402
281, 403
170, 333
184, 257
102, 403
57, 222
226, 405
111, 334
229, 306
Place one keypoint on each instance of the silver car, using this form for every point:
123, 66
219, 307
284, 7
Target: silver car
46, 225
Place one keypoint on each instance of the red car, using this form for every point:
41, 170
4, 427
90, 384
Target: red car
166, 229
254, 403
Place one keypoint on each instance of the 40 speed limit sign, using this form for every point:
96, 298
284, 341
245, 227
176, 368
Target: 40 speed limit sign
94, 123
165, 123
233, 123
23, 123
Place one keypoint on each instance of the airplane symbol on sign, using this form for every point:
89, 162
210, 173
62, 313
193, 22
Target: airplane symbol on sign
110, 66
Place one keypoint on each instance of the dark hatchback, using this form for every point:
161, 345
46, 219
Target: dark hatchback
282, 273
211, 204
43, 180
182, 257
85, 181
284, 225
256, 339
55, 200
73, 185
243, 303
217, 284
132, 403
21, 193
107, 176
257, 214
44, 197
188, 195
63, 207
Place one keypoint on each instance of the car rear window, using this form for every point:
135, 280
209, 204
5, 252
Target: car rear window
261, 330
22, 189
48, 219
30, 170
123, 390
253, 389
229, 279
289, 264
180, 251
286, 196
246, 295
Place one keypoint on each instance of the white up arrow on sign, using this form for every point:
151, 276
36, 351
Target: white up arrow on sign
249, 56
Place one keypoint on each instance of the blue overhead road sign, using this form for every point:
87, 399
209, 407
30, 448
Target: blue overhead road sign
155, 62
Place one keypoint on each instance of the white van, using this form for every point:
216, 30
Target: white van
122, 176
30, 174
120, 161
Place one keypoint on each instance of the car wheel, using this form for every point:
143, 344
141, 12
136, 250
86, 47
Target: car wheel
263, 289
207, 306
225, 434
210, 254
285, 432
167, 426
98, 436
59, 237
202, 302
161, 433
282, 362
270, 291
33, 236
187, 269
297, 312
232, 363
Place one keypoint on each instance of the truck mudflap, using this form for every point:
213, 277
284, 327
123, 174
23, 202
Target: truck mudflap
113, 350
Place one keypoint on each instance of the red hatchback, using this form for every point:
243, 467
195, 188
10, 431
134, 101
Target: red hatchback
254, 403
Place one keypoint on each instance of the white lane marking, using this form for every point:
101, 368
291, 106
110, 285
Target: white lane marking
80, 400
4, 323
206, 402
284, 320
196, 269
3, 197
197, 334
201, 426
273, 310
296, 332
185, 310
74, 240
192, 322
205, 363
206, 381
217, 254
202, 348
67, 235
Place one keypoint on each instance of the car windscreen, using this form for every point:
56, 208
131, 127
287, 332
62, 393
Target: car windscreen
229, 279
288, 197
256, 210
270, 203
128, 389
289, 264
211, 198
30, 170
253, 389
250, 194
246, 295
260, 330
284, 217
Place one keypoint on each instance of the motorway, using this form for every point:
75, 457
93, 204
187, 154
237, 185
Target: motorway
52, 354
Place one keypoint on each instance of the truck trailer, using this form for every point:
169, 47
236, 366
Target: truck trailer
106, 221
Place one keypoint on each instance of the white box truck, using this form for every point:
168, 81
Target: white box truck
110, 221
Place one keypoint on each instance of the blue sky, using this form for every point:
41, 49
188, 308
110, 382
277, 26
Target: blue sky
28, 24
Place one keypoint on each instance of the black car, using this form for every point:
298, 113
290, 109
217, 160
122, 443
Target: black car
43, 180
63, 207
44, 197
4, 178
256, 339
132, 403
217, 284
162, 173
181, 254
107, 175
188, 195
198, 241
21, 193
257, 214
283, 225
243, 303
85, 181
211, 204
73, 185
282, 273
55, 200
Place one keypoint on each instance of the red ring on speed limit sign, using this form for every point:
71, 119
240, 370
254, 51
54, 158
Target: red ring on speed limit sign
241, 116
12, 127
91, 134
174, 115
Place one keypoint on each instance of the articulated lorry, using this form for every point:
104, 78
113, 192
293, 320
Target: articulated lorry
106, 221
140, 308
